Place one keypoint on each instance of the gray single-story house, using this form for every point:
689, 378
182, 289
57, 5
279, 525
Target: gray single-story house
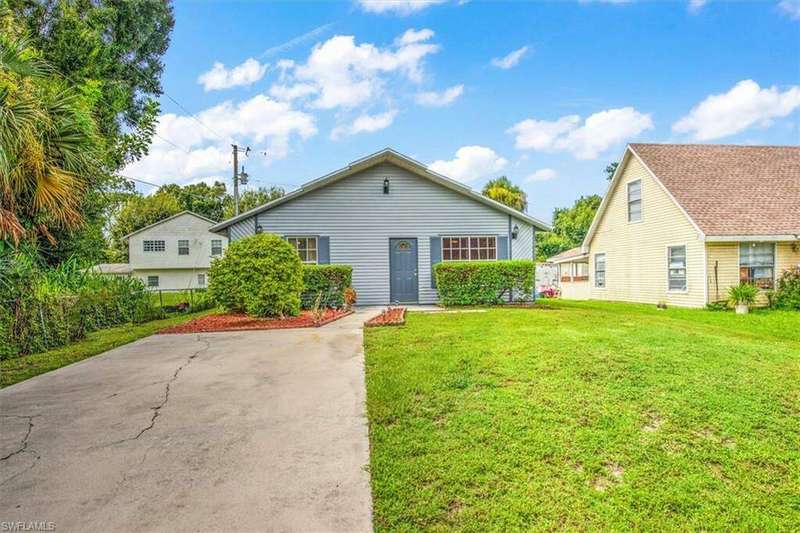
391, 218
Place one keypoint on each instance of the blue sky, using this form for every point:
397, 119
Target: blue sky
547, 93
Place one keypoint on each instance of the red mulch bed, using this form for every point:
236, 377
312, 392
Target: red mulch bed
395, 316
241, 322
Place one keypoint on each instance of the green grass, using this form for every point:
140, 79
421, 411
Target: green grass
588, 416
25, 367
176, 297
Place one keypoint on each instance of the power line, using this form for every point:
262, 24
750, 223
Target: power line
220, 137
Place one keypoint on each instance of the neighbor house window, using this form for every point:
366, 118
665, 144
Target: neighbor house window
152, 281
201, 280
154, 246
757, 264
306, 247
676, 264
469, 248
183, 247
600, 270
635, 201
216, 246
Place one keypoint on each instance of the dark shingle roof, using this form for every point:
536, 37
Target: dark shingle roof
731, 190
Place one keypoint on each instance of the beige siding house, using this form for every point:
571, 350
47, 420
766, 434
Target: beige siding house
680, 224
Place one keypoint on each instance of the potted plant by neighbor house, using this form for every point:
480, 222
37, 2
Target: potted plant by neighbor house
742, 297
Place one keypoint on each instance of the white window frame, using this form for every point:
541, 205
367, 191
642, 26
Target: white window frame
774, 262
685, 247
180, 247
212, 246
151, 285
469, 247
201, 280
154, 248
605, 270
308, 238
641, 203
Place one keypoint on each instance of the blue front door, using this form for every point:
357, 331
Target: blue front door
403, 279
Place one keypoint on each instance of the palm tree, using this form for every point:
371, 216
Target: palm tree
48, 144
502, 190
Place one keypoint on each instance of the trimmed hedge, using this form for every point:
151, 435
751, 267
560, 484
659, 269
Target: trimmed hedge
484, 283
260, 275
328, 280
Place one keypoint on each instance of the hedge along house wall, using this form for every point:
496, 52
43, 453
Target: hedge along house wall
328, 280
484, 283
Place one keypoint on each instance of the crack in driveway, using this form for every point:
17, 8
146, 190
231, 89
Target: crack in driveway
23, 448
157, 408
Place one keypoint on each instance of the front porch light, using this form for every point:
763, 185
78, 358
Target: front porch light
515, 232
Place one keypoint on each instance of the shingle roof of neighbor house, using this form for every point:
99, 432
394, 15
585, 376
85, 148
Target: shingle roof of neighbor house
731, 190
572, 253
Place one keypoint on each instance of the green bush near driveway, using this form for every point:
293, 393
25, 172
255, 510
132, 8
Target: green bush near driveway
328, 280
484, 283
260, 275
585, 416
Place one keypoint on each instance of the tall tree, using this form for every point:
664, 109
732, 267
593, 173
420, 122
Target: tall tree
610, 169
502, 190
201, 198
570, 226
49, 147
253, 198
112, 50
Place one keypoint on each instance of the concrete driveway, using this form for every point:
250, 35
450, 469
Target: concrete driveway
256, 431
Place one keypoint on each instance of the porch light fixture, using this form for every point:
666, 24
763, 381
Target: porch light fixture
259, 229
385, 185
515, 232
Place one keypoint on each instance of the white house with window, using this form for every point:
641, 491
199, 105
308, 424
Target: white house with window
681, 224
175, 253
392, 219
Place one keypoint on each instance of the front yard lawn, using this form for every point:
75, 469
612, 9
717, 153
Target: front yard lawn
21, 368
586, 416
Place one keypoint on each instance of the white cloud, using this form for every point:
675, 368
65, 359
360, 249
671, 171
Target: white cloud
439, 99
744, 105
365, 124
511, 59
399, 7
220, 77
543, 174
470, 164
292, 92
791, 8
413, 36
541, 134
696, 5
341, 73
598, 133
205, 151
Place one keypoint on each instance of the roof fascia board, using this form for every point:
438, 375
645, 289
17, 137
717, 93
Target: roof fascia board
176, 215
386, 155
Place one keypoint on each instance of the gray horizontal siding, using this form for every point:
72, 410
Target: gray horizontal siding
360, 219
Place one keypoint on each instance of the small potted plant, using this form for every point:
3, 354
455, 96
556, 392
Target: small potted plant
742, 297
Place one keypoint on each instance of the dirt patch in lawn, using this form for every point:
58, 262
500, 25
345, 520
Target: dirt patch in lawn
242, 322
395, 316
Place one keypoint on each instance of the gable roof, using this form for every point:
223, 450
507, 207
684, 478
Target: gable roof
568, 255
726, 191
201, 217
386, 155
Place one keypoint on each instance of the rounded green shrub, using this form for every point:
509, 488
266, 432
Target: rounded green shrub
261, 275
787, 294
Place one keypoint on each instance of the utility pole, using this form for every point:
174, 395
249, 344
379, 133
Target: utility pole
236, 151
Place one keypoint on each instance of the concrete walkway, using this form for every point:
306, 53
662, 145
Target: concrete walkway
244, 431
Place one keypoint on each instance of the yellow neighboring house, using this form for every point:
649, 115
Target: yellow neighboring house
681, 223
